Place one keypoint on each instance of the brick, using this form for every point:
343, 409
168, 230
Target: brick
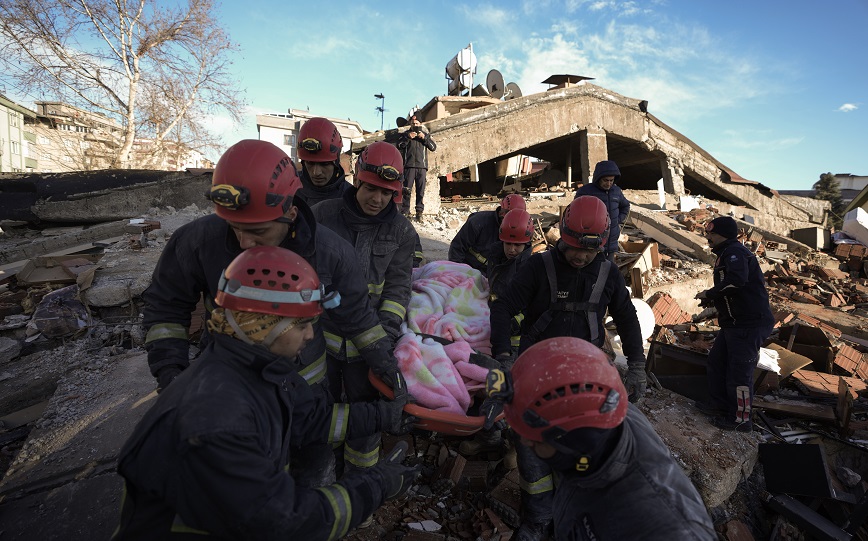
819, 384
843, 250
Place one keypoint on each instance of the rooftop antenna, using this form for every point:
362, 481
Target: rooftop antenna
382, 108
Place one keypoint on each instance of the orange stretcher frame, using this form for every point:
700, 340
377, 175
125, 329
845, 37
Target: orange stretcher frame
433, 420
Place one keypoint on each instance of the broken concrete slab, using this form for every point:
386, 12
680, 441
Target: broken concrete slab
65, 471
123, 275
669, 233
63, 244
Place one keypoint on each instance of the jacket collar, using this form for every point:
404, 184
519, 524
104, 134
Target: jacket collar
257, 359
355, 217
723, 246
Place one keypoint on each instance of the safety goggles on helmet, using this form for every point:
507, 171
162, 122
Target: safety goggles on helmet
585, 241
233, 287
385, 172
314, 145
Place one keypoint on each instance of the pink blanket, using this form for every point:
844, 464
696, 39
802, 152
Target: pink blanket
450, 300
437, 375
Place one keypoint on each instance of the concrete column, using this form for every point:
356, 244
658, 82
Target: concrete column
592, 143
431, 199
673, 176
570, 165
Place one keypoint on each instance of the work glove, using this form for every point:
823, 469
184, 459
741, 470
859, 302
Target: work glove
637, 381
393, 418
396, 477
393, 329
506, 360
395, 380
165, 376
498, 389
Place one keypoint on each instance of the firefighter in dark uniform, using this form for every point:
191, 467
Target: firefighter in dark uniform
566, 292
504, 257
319, 150
741, 299
208, 458
567, 402
252, 188
479, 232
384, 241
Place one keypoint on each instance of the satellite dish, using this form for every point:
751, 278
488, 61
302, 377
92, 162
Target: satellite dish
479, 90
400, 122
494, 82
512, 91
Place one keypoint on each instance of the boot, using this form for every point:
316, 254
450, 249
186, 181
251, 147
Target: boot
482, 442
419, 217
531, 531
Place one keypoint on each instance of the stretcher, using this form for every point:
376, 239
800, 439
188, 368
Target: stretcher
437, 421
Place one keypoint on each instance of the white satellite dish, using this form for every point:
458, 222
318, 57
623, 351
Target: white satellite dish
512, 91
494, 82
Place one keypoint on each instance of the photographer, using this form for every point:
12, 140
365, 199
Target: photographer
414, 145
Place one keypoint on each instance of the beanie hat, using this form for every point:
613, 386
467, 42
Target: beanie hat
606, 168
723, 226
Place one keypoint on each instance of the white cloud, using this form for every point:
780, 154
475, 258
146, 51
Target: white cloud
488, 15
847, 107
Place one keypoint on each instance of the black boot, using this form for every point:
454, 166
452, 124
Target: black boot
531, 531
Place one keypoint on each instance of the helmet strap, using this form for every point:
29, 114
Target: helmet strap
277, 331
241, 335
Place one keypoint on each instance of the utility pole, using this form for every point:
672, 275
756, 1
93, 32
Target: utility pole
382, 108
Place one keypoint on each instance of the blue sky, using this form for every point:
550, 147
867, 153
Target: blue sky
775, 89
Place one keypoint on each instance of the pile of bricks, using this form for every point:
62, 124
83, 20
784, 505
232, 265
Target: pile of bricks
854, 255
666, 310
813, 284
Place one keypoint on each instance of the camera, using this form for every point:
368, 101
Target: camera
416, 129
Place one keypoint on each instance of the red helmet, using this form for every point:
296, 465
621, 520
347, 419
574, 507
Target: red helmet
585, 223
513, 201
562, 384
381, 164
253, 182
516, 227
319, 141
272, 280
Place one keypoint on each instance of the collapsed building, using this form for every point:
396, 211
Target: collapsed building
74, 380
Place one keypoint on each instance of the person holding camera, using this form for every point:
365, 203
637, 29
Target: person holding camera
415, 146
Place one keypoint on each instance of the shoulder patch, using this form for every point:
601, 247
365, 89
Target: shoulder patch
733, 257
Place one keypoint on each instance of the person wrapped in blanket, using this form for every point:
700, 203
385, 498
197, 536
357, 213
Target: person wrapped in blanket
209, 457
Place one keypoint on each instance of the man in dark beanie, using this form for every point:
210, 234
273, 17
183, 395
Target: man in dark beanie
603, 187
745, 318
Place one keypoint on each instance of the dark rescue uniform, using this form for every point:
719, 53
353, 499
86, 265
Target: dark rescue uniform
531, 293
745, 318
500, 271
479, 232
384, 247
209, 457
664, 504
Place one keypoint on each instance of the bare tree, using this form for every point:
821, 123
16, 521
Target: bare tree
158, 70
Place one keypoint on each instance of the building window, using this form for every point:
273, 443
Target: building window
46, 156
43, 140
16, 147
13, 120
67, 158
289, 139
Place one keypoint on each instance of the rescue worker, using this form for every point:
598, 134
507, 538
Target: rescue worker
567, 402
604, 188
252, 189
319, 150
414, 145
745, 318
505, 256
384, 241
208, 457
565, 292
479, 232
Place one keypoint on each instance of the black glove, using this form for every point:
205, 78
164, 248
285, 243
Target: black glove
506, 360
165, 376
396, 477
491, 408
393, 329
637, 381
392, 377
392, 416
